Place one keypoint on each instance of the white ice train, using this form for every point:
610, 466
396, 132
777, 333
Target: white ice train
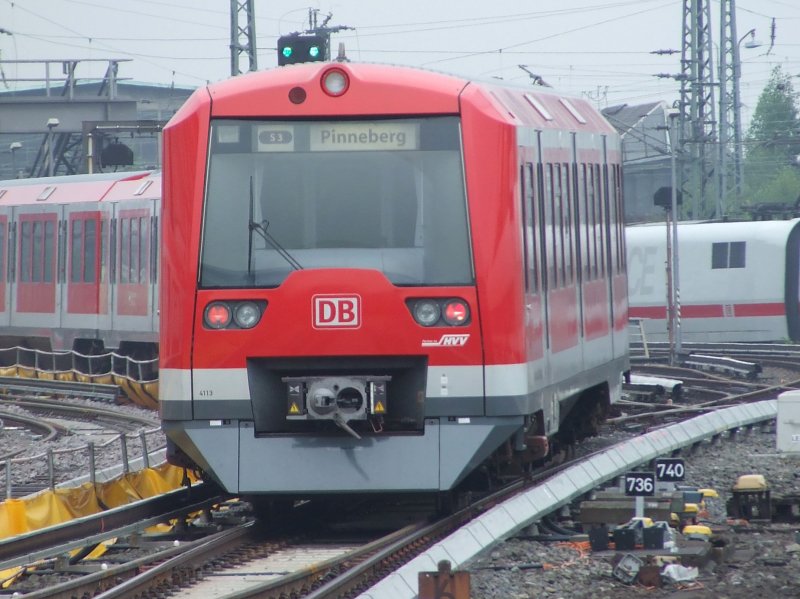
738, 281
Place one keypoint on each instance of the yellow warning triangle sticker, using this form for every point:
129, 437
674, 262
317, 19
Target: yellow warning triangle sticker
379, 408
294, 409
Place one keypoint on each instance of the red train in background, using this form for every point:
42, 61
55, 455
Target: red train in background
379, 278
79, 264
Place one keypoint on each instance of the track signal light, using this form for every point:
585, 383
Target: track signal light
302, 48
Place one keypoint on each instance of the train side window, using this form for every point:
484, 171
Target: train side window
555, 208
586, 246
737, 254
617, 191
3, 271
728, 255
600, 229
25, 250
550, 237
49, 254
529, 229
124, 250
591, 199
90, 252
566, 219
135, 254
76, 251
526, 236
103, 250
532, 203
558, 224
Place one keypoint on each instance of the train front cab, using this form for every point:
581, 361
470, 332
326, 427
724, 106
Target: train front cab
336, 278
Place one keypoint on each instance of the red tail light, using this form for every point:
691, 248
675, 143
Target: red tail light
456, 312
218, 315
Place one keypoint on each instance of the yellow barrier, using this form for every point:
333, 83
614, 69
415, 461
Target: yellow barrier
52, 507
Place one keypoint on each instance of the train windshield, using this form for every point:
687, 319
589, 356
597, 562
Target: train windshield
379, 194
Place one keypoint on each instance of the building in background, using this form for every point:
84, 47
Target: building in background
64, 125
646, 153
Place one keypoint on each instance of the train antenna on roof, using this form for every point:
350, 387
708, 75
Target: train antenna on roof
341, 56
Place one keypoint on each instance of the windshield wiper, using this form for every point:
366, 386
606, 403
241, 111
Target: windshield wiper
262, 229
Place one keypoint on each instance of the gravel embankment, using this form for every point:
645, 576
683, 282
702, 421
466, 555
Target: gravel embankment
760, 562
70, 453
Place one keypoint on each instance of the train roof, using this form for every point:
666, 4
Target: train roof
394, 90
81, 188
699, 231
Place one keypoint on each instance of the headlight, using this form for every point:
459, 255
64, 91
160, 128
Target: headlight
247, 315
427, 312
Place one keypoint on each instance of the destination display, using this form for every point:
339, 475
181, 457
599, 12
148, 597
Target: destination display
339, 137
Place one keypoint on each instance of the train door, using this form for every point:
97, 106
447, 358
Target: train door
133, 300
37, 260
83, 263
86, 284
4, 268
534, 304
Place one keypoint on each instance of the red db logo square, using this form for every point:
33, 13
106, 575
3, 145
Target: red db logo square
337, 311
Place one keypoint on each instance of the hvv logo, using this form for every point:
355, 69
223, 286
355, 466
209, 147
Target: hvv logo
337, 311
447, 340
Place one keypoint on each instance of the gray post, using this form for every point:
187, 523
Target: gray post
123, 442
51, 469
675, 270
145, 457
8, 479
92, 467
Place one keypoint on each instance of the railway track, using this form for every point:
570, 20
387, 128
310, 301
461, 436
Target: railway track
337, 568
45, 438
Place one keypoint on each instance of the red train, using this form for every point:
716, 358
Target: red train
378, 278
78, 257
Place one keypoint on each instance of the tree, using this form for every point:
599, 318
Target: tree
772, 144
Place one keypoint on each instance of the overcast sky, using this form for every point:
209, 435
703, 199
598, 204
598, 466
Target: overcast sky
597, 48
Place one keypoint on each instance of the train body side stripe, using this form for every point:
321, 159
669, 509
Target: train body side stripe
712, 310
220, 384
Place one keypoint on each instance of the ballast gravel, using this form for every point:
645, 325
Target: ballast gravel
761, 561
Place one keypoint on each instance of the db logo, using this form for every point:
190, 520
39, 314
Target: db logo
339, 311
